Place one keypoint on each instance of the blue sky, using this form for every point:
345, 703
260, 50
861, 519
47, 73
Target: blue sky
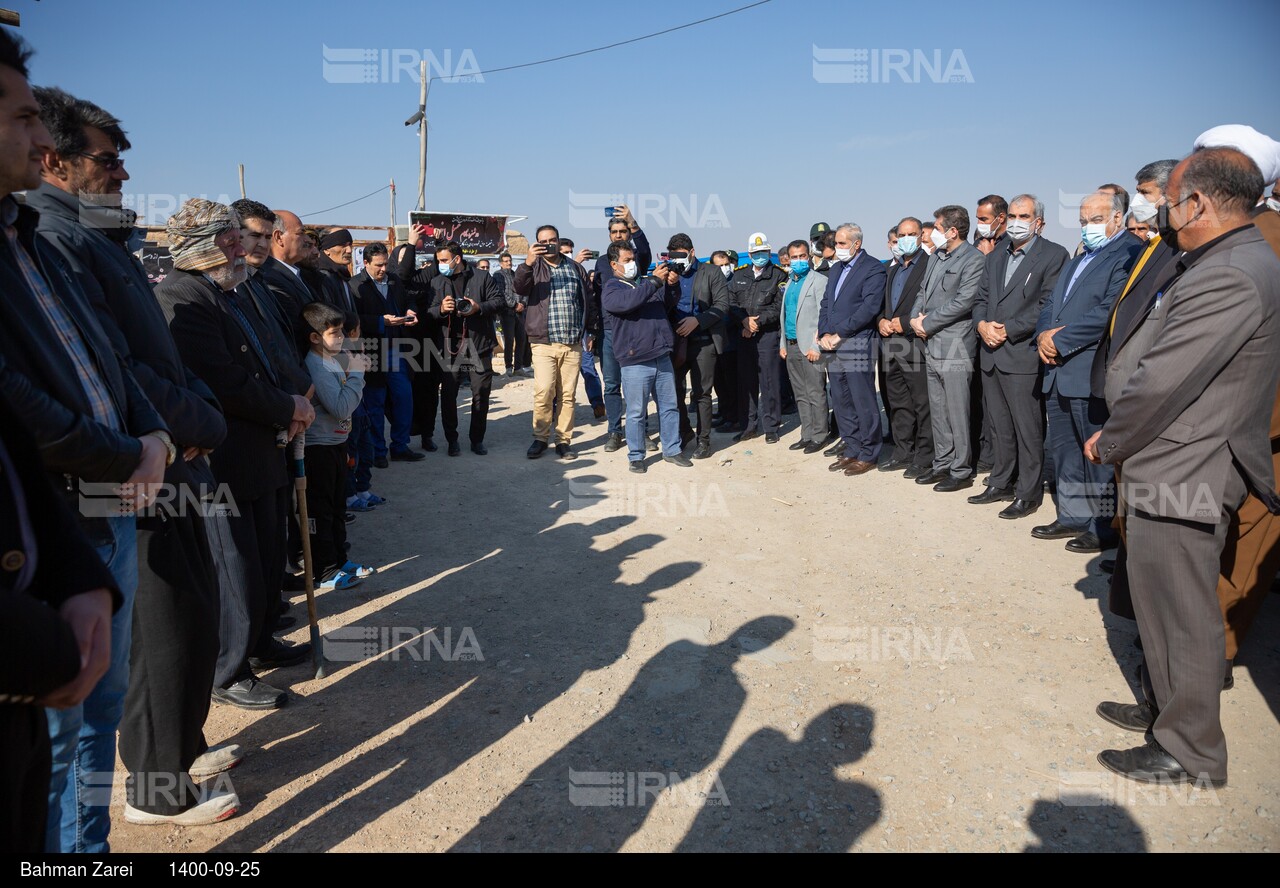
723, 129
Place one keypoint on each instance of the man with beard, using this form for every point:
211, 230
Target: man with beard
221, 341
175, 640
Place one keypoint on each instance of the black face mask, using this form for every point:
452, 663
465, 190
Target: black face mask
1168, 234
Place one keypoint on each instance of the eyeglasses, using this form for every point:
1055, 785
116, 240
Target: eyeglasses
110, 162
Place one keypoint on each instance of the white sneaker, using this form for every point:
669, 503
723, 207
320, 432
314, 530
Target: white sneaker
216, 759
216, 806
354, 500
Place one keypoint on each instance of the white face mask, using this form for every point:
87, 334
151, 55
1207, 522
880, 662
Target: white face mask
728, 270
984, 230
1274, 203
843, 254
939, 239
629, 270
1141, 208
1020, 229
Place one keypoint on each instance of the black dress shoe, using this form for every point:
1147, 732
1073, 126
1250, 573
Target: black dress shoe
564, 451
284, 621
1107, 565
380, 462
454, 448
407, 455
992, 495
429, 445
249, 694
652, 445
1019, 508
479, 449
893, 465
536, 449
951, 484
799, 445
1229, 678
678, 460
1130, 716
746, 436
1055, 531
703, 451
915, 471
835, 449
614, 442
812, 447
931, 477
771, 438
638, 466
1152, 764
1086, 542
281, 654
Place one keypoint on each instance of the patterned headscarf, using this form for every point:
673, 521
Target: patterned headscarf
191, 231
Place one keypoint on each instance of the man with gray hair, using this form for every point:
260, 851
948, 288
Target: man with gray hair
223, 342
1017, 278
944, 320
1071, 325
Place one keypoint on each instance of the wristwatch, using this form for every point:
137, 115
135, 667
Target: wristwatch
171, 452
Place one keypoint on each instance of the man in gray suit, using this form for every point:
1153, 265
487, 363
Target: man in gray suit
1067, 335
944, 320
1016, 282
1190, 394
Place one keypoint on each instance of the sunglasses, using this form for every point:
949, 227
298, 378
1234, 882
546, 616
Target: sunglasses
109, 162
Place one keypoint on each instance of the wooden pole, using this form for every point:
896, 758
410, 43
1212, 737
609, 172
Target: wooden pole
242, 194
9, 17
393, 205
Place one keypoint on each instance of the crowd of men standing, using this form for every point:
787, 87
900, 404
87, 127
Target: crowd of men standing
1135, 381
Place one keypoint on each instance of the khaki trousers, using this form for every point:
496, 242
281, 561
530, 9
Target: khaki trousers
555, 382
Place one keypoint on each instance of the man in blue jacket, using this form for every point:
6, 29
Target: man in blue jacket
638, 312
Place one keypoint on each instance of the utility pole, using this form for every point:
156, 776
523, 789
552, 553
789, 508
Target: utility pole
242, 194
420, 119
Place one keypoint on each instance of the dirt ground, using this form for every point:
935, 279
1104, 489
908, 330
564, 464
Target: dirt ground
753, 655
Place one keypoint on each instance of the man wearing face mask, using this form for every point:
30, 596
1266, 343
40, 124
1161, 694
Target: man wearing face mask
1071, 325
1016, 281
926, 238
992, 218
728, 416
623, 229
801, 301
902, 354
1190, 398
699, 316
643, 341
464, 301
943, 317
755, 295
847, 322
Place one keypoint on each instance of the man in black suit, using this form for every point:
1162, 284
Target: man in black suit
221, 341
1017, 278
465, 300
282, 274
755, 306
388, 313
428, 374
902, 355
701, 319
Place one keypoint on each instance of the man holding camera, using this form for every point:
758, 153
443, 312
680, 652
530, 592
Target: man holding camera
559, 308
622, 230
464, 301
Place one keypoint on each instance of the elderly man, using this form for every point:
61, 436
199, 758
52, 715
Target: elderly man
944, 320
221, 340
175, 639
1070, 327
92, 423
1190, 395
282, 274
1016, 281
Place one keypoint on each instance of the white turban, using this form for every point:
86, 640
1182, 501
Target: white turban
1261, 149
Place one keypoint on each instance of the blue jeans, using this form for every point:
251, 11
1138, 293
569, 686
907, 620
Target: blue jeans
393, 402
611, 372
84, 737
652, 379
590, 378
360, 448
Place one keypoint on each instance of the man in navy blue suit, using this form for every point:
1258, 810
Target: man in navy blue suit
1067, 335
847, 334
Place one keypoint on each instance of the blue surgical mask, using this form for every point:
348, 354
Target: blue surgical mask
759, 260
908, 244
1094, 235
447, 270
799, 267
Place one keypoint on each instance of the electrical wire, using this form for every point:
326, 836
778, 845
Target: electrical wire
348, 203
